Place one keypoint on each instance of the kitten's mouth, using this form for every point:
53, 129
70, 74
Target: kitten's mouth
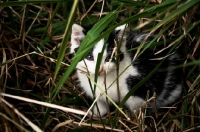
100, 74
100, 70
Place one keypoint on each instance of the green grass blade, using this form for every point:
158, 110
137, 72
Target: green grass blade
65, 38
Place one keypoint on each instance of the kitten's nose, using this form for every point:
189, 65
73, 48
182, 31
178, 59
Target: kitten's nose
100, 70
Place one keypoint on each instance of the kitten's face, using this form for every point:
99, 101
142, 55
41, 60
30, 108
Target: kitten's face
90, 61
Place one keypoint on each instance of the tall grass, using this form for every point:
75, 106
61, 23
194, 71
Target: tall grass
36, 64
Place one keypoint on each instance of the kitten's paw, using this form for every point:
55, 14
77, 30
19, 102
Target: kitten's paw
93, 114
102, 110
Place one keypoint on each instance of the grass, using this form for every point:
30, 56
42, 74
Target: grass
37, 78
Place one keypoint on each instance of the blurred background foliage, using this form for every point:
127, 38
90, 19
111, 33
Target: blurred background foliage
36, 64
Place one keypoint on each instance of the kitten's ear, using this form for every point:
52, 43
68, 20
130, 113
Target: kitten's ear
121, 31
76, 36
121, 28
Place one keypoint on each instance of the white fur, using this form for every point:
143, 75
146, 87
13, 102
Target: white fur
173, 95
122, 27
140, 38
111, 76
133, 102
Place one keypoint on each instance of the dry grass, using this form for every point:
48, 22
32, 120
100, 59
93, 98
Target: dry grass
29, 53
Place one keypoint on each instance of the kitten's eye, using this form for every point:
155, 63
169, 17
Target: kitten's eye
80, 41
90, 57
75, 50
107, 59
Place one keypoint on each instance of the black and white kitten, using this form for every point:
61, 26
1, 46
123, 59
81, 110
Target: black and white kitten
166, 84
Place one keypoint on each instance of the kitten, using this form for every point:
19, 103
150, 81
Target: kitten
166, 84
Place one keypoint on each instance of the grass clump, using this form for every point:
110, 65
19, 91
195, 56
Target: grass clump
36, 64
